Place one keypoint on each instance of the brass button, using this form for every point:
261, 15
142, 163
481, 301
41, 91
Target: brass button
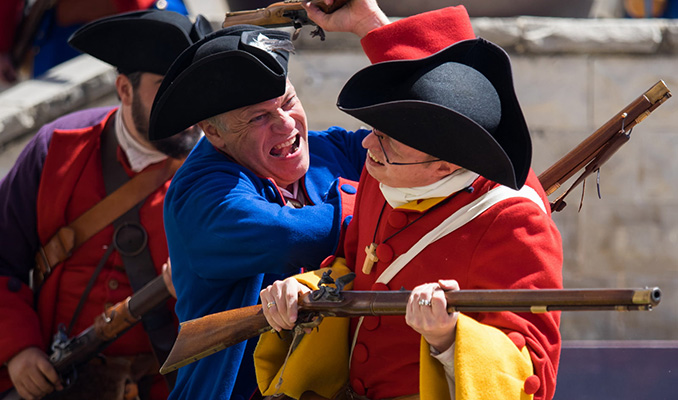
113, 284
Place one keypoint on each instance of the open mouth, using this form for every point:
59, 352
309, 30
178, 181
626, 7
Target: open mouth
287, 148
373, 158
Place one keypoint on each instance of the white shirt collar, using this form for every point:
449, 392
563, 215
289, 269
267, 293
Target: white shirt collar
138, 156
452, 183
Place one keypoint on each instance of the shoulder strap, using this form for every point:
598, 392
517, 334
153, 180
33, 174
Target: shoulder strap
59, 247
458, 219
130, 239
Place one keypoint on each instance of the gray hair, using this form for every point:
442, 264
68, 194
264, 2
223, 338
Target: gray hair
218, 122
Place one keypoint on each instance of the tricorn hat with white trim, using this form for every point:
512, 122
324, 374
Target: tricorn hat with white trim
231, 68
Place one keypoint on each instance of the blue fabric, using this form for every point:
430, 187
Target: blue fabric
671, 9
52, 39
228, 232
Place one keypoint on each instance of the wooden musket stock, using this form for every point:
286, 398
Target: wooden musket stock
107, 327
201, 337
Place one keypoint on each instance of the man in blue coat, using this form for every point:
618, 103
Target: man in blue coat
258, 198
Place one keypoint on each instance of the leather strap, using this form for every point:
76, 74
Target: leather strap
131, 241
68, 238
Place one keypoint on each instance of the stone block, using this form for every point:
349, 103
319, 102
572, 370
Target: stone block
503, 32
65, 88
618, 80
628, 243
671, 38
566, 35
553, 91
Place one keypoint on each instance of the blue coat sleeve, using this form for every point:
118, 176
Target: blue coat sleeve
224, 222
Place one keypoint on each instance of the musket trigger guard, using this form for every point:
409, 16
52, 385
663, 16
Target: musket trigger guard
313, 323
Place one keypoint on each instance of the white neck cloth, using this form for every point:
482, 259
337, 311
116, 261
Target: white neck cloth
138, 155
452, 183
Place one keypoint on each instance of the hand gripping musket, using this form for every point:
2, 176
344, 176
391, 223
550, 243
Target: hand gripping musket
596, 149
280, 14
70, 353
204, 336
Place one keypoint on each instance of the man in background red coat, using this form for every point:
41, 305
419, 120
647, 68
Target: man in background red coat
59, 176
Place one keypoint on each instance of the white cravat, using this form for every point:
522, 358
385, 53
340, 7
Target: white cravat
452, 183
139, 156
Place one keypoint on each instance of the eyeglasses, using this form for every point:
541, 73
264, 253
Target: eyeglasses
380, 137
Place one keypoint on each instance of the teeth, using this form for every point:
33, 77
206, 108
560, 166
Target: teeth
376, 160
287, 143
289, 147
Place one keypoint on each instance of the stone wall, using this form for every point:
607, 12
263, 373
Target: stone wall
571, 76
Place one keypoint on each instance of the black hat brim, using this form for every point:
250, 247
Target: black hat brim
503, 156
140, 41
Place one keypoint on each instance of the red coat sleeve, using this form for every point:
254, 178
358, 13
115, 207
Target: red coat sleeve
16, 304
419, 35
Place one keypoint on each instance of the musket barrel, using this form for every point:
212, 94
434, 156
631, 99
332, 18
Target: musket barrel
358, 303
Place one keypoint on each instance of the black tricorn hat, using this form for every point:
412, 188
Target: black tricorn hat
458, 105
140, 41
231, 68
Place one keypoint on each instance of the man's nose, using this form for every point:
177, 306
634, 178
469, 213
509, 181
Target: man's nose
283, 121
370, 141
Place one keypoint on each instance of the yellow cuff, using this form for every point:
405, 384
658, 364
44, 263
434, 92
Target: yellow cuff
487, 364
320, 361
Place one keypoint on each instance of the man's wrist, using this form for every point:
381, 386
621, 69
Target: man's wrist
377, 20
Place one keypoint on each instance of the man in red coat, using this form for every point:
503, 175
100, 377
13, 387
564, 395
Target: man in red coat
58, 177
447, 200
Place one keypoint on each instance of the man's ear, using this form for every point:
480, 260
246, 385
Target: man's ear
211, 133
125, 90
445, 168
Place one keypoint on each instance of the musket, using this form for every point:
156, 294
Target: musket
201, 337
281, 14
596, 149
68, 354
